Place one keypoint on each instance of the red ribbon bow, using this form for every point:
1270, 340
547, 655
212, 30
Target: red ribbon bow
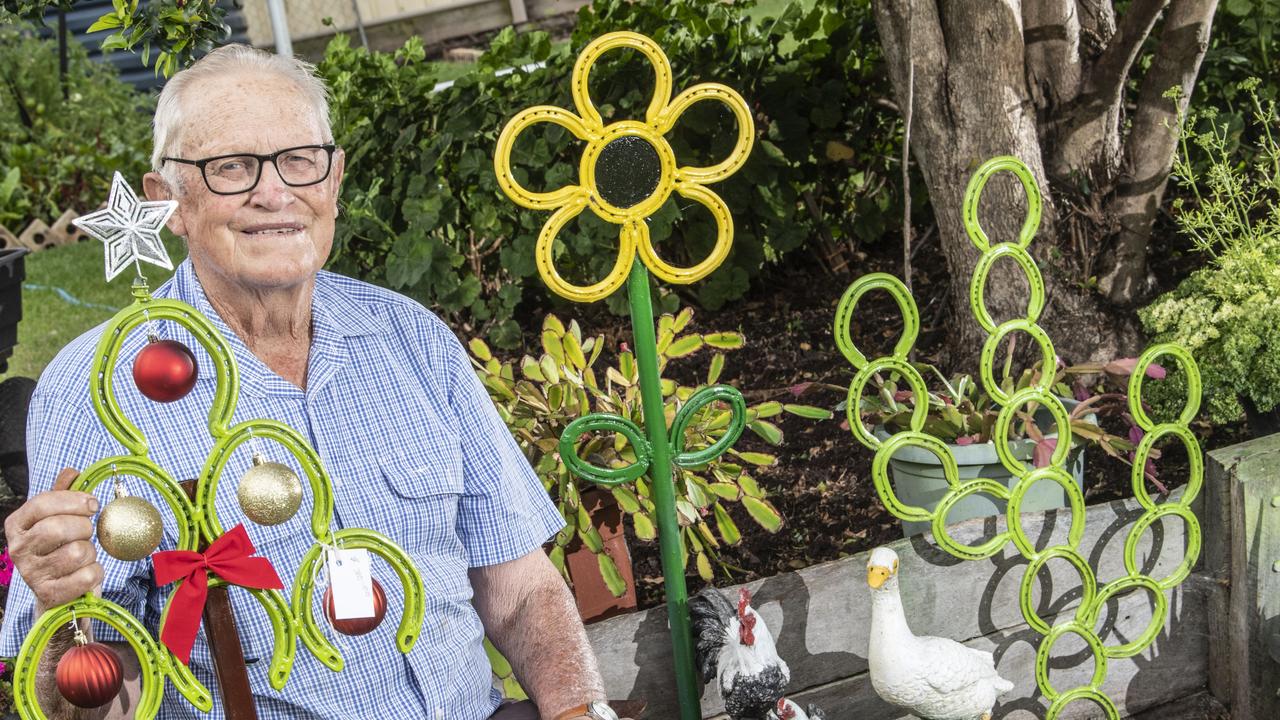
228, 558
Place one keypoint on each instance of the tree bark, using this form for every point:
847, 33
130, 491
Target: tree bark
973, 102
1149, 152
1042, 80
1054, 67
1088, 138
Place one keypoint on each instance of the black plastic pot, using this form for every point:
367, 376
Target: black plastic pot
12, 273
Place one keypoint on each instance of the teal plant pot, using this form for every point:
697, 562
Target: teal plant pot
918, 479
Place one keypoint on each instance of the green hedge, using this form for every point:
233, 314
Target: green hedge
55, 153
423, 213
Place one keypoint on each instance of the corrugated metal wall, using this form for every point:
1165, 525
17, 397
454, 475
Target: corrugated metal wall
129, 64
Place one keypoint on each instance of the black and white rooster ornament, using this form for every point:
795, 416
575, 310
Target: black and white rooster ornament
734, 646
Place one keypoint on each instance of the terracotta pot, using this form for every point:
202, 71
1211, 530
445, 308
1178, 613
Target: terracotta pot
595, 600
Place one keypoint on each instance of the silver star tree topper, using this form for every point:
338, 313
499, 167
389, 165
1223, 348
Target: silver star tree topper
129, 228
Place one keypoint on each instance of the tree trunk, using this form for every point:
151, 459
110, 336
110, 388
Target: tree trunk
1183, 41
1042, 80
972, 103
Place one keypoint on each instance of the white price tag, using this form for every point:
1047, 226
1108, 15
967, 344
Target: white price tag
352, 584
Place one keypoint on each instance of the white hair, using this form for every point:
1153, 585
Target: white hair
171, 111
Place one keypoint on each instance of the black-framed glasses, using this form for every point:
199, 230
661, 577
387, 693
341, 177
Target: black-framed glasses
239, 173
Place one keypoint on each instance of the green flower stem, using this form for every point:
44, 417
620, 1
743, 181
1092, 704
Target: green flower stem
673, 553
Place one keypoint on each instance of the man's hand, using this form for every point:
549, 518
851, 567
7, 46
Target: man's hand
49, 541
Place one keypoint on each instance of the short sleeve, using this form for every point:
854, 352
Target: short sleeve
504, 512
63, 433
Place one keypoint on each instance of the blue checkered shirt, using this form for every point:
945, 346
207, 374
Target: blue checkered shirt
415, 450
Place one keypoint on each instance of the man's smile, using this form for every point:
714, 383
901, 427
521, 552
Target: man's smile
272, 229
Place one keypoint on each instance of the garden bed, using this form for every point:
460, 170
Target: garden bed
822, 481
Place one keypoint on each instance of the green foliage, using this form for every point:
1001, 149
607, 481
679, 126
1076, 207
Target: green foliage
503, 674
178, 29
60, 153
1243, 44
424, 214
544, 394
1228, 314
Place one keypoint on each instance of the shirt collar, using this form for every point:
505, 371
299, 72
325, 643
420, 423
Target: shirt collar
335, 316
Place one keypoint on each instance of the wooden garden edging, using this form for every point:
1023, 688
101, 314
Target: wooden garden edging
1242, 543
821, 616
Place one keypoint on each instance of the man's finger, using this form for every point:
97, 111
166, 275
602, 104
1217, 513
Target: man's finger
70, 558
69, 587
65, 478
48, 504
52, 533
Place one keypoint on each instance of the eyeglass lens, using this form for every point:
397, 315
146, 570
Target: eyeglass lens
239, 173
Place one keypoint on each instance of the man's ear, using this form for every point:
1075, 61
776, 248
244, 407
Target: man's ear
336, 173
155, 187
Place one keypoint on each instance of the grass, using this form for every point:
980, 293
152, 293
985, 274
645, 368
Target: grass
51, 319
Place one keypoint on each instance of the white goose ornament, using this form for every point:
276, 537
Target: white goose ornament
934, 677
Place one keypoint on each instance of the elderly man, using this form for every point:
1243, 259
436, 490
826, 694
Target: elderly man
376, 383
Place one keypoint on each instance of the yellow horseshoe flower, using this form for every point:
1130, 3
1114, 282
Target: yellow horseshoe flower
638, 165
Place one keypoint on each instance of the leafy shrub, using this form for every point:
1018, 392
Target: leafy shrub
424, 214
1228, 314
540, 398
179, 29
57, 154
1245, 43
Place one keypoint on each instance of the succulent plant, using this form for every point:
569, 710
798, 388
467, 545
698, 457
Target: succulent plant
543, 395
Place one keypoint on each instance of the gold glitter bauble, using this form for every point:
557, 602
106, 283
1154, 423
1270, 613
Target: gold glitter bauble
129, 528
270, 493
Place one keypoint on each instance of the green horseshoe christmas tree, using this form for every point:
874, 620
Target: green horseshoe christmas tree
128, 527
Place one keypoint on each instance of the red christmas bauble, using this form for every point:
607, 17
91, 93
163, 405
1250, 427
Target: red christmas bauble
89, 675
165, 370
357, 626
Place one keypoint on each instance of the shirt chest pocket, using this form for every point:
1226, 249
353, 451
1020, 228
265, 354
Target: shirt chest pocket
423, 492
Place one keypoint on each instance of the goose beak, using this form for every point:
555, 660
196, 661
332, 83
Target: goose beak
877, 576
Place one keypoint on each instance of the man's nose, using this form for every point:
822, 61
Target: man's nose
272, 190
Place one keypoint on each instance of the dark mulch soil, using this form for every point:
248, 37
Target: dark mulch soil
822, 480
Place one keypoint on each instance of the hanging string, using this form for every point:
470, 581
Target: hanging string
320, 581
77, 634
149, 324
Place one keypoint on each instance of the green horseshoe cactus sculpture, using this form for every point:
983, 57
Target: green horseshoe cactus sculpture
197, 520
649, 176
1083, 622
